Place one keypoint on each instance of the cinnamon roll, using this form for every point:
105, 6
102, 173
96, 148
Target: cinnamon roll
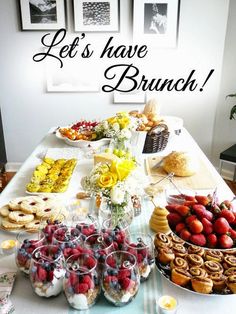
175, 239
179, 250
230, 252
215, 256
231, 283
230, 271
180, 276
195, 260
229, 261
218, 282
202, 284
193, 249
179, 262
165, 255
198, 272
162, 240
213, 267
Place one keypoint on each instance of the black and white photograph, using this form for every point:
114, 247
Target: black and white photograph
156, 22
43, 11
42, 14
96, 16
155, 18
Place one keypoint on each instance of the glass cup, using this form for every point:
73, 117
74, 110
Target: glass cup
81, 283
69, 240
121, 278
141, 246
49, 225
47, 271
101, 245
118, 233
27, 242
88, 226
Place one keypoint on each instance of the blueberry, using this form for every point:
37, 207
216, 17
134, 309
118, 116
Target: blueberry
34, 269
70, 290
114, 272
96, 255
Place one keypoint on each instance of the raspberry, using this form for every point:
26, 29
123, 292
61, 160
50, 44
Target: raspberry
50, 276
86, 279
123, 273
42, 274
125, 283
140, 258
108, 279
90, 262
73, 279
81, 288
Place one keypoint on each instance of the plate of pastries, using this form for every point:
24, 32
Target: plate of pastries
194, 268
27, 212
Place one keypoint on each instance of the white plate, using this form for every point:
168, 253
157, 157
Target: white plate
83, 143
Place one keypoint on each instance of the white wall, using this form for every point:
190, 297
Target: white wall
29, 111
225, 129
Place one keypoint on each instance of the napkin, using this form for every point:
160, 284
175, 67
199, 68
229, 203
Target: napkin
7, 278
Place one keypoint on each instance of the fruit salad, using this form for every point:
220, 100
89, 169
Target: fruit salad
47, 271
82, 282
82, 130
121, 278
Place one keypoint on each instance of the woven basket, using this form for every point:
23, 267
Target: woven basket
156, 139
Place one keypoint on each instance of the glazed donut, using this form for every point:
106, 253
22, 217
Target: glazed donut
195, 260
202, 284
31, 205
20, 217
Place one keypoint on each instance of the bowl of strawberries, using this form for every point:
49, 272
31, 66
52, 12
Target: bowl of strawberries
203, 220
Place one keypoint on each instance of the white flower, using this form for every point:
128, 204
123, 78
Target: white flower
117, 195
105, 125
125, 133
116, 127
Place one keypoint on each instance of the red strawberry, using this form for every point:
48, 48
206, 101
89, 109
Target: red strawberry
196, 226
215, 210
182, 210
81, 288
185, 234
173, 219
232, 233
42, 274
179, 227
198, 239
225, 241
208, 215
228, 215
189, 219
221, 225
171, 207
125, 283
207, 226
203, 200
211, 240
226, 204
199, 210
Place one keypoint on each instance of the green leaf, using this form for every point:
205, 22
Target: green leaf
233, 113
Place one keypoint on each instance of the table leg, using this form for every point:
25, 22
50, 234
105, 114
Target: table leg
234, 179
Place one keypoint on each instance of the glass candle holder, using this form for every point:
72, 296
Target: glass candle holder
141, 246
101, 245
121, 278
118, 233
27, 242
69, 240
166, 305
82, 282
88, 226
47, 271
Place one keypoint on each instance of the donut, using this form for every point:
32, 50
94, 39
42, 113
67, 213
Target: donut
4, 211
20, 217
32, 204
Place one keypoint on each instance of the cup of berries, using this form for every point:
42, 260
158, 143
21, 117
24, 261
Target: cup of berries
27, 242
81, 283
121, 279
87, 226
141, 246
47, 270
49, 226
101, 245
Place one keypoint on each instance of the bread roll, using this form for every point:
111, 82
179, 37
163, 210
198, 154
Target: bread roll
183, 164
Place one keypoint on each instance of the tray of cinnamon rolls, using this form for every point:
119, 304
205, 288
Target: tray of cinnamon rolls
196, 269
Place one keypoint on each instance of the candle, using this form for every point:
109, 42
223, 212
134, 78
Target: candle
167, 305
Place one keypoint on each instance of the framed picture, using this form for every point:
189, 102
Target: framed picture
134, 97
156, 22
96, 15
42, 14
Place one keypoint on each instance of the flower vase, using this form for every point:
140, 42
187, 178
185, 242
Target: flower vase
121, 147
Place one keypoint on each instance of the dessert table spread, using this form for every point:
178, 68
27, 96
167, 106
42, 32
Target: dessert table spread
23, 297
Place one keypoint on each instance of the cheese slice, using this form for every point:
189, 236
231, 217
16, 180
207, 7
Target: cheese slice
104, 158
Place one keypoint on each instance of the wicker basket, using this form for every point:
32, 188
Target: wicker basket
156, 139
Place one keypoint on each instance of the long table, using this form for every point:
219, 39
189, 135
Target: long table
24, 299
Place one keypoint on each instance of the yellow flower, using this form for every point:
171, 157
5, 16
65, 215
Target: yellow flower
122, 168
112, 120
124, 122
107, 180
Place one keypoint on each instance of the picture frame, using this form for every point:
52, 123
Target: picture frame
156, 22
133, 97
96, 15
42, 14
